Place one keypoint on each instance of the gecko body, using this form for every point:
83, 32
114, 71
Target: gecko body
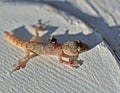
32, 48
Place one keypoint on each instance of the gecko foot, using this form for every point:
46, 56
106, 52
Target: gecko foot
71, 64
74, 65
18, 66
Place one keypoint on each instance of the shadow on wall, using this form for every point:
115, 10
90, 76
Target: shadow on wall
97, 23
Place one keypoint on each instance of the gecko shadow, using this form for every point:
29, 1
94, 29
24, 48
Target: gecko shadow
91, 39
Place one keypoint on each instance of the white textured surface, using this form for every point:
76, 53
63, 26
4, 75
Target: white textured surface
100, 71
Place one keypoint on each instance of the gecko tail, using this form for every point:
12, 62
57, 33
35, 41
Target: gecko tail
14, 40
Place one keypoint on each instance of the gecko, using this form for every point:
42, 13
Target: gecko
33, 48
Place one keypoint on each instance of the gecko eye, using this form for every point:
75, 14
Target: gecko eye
78, 49
53, 40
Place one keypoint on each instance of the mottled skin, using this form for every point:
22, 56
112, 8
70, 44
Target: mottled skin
69, 49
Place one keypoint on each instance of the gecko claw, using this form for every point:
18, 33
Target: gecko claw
18, 66
15, 69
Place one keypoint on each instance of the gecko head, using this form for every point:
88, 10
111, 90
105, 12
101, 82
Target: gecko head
74, 47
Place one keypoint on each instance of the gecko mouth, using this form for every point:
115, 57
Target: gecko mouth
70, 53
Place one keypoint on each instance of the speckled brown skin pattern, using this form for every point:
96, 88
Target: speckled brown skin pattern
32, 48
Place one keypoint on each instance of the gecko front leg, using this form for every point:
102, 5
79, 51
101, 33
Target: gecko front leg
71, 61
37, 29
